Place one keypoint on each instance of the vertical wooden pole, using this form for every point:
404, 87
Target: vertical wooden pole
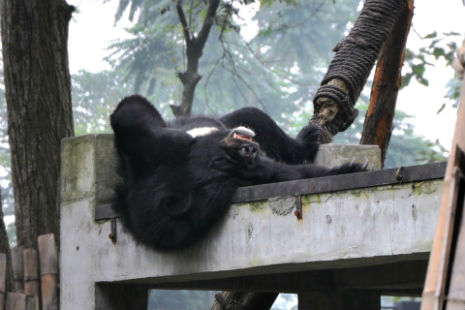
31, 274
377, 127
3, 273
48, 271
18, 271
438, 277
20, 301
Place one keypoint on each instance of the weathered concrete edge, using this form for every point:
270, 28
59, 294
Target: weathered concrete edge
77, 168
402, 250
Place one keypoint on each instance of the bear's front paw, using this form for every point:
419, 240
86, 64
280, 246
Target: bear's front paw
351, 168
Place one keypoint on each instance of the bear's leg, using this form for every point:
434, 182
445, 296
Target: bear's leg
272, 139
142, 138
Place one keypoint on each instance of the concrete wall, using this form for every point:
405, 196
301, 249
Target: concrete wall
348, 229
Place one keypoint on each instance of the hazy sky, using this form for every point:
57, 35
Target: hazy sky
92, 30
423, 102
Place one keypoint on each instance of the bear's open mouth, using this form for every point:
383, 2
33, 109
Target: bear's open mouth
242, 137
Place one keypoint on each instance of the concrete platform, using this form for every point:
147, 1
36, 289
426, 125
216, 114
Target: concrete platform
368, 230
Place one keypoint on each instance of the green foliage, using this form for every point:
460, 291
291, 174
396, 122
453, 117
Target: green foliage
278, 70
95, 95
437, 46
284, 63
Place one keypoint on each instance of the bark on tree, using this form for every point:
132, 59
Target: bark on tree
37, 87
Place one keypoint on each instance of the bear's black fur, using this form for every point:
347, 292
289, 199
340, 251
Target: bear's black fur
177, 183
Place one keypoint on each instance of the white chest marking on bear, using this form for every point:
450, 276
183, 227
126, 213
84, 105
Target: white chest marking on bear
201, 131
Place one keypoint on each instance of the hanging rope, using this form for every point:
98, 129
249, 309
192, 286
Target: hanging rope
351, 65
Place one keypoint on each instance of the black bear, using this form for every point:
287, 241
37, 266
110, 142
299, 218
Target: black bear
179, 177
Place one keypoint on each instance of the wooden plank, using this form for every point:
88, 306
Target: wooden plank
456, 290
337, 183
31, 274
3, 273
20, 301
48, 271
322, 185
16, 301
18, 268
438, 276
31, 303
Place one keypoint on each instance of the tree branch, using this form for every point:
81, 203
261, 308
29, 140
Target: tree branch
194, 48
182, 19
207, 23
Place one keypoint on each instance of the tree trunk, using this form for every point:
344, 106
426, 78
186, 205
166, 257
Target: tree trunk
38, 95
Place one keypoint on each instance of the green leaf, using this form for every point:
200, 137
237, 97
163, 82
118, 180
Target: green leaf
418, 70
422, 80
406, 79
431, 35
441, 108
438, 52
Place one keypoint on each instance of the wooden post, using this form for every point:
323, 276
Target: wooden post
18, 271
48, 271
3, 273
441, 290
31, 274
377, 127
20, 301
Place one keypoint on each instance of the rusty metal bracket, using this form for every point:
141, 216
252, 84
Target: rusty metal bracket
113, 234
298, 207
